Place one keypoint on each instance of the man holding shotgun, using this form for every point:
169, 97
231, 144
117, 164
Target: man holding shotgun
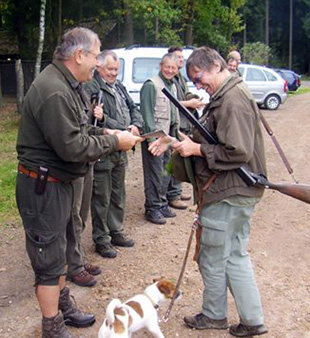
225, 201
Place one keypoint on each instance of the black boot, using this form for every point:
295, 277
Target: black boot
72, 315
54, 327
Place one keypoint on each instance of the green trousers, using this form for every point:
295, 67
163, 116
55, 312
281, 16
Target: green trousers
82, 189
108, 202
225, 263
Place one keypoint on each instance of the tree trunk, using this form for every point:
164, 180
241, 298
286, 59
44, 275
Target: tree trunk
189, 23
290, 54
41, 39
59, 22
267, 29
128, 29
19, 85
156, 30
1, 96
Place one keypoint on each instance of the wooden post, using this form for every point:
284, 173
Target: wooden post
19, 85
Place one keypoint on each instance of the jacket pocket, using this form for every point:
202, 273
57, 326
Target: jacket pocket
43, 249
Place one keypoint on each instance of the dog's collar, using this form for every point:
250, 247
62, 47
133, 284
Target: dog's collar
156, 306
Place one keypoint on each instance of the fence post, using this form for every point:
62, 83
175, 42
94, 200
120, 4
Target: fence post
19, 84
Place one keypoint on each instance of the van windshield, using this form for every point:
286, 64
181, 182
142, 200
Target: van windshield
120, 75
144, 68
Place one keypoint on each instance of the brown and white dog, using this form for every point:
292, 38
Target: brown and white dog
122, 319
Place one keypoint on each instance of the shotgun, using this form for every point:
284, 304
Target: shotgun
297, 191
98, 102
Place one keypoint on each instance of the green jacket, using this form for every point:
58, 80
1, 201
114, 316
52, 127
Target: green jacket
148, 96
182, 94
53, 127
233, 116
113, 118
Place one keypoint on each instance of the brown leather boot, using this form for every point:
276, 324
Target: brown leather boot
72, 315
55, 327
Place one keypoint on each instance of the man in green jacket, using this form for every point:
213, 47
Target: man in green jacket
175, 195
54, 149
225, 201
158, 113
109, 196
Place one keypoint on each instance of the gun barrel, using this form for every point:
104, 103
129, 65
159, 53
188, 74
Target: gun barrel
298, 191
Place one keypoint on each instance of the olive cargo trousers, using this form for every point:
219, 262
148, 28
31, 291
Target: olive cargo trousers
225, 263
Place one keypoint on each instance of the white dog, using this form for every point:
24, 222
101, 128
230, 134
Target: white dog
122, 319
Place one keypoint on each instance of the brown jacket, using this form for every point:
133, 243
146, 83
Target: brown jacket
233, 116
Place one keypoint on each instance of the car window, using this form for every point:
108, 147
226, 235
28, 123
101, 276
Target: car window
120, 75
241, 70
290, 77
270, 76
255, 75
144, 68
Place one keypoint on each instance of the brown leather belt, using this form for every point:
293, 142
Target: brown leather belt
33, 174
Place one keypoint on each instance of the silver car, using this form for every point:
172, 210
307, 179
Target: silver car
267, 87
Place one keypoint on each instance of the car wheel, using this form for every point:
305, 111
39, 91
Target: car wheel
272, 102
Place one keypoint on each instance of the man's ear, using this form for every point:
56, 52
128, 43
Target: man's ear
78, 56
217, 66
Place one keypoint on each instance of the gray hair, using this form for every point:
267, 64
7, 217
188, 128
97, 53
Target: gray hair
204, 58
78, 38
102, 57
169, 56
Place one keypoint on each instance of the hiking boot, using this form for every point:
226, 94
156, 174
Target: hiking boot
167, 212
177, 204
106, 250
241, 330
122, 240
202, 322
92, 269
155, 216
185, 197
71, 314
84, 278
55, 327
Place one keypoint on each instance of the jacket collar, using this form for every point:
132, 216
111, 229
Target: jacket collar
231, 81
74, 84
215, 100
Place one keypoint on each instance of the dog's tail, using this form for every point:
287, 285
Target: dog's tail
110, 314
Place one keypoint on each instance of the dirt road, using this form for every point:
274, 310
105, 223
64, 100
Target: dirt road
279, 246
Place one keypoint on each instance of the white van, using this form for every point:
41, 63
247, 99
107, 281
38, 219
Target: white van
137, 64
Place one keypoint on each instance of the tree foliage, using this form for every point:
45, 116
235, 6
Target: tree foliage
221, 24
255, 53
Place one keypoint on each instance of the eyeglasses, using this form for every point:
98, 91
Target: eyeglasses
93, 54
198, 78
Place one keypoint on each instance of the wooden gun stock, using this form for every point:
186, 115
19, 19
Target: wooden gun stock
298, 191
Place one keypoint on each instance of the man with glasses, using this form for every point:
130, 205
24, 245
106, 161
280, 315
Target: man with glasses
54, 150
175, 195
109, 196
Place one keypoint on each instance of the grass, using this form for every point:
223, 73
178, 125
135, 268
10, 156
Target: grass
8, 162
301, 90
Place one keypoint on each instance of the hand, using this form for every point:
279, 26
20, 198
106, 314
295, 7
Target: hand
196, 103
127, 140
134, 130
98, 112
107, 131
161, 145
187, 147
